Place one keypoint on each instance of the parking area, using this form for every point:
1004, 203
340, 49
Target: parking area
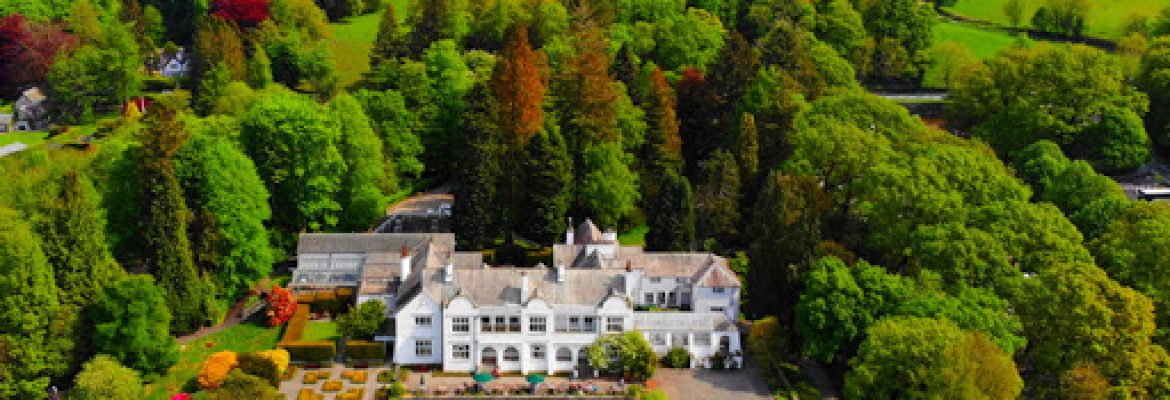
699, 383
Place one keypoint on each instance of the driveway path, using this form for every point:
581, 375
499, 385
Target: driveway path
699, 383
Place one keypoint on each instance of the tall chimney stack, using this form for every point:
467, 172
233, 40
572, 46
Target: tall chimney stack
404, 267
569, 233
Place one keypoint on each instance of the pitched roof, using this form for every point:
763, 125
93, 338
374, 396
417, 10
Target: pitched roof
501, 285
717, 274
587, 233
319, 243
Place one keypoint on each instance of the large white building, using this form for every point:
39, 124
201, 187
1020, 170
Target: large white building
449, 308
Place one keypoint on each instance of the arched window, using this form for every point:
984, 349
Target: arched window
511, 354
564, 354
489, 356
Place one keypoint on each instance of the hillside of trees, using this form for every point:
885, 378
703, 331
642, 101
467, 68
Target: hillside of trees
905, 260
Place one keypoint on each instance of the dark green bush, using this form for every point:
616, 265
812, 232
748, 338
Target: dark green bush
258, 366
364, 350
315, 351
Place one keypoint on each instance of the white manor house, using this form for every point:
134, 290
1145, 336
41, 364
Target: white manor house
449, 308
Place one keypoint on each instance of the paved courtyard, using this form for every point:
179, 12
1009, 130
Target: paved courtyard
686, 384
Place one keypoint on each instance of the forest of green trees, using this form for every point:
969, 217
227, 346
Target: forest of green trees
994, 260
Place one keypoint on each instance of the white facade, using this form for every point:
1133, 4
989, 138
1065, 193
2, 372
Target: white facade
452, 311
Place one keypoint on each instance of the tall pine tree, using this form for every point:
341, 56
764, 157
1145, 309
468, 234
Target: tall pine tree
663, 148
476, 210
389, 44
548, 172
671, 215
168, 253
259, 68
518, 88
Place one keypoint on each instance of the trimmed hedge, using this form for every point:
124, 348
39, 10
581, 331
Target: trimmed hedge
327, 302
364, 350
260, 366
315, 351
306, 297
296, 326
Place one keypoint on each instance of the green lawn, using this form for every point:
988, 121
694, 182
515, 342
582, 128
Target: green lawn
983, 42
29, 138
634, 237
352, 41
1106, 17
239, 338
320, 330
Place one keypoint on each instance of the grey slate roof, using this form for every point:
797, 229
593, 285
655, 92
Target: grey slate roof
320, 243
494, 286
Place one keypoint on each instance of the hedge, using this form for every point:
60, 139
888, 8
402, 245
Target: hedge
315, 351
364, 350
327, 302
260, 366
296, 326
306, 297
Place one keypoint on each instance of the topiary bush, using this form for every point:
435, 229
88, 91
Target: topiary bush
260, 366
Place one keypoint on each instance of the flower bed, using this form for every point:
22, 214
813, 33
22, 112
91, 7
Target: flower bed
332, 386
355, 376
351, 394
309, 394
311, 377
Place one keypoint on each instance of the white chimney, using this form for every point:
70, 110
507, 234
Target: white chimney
629, 278
560, 273
404, 267
449, 272
569, 233
523, 287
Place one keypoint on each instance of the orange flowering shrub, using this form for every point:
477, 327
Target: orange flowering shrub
216, 368
281, 305
279, 357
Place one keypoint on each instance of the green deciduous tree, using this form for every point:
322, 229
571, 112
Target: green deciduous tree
360, 196
131, 324
31, 336
610, 190
96, 77
294, 145
230, 202
840, 302
927, 358
1130, 250
103, 378
717, 200
259, 69
363, 321
212, 87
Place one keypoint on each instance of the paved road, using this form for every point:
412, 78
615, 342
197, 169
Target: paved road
924, 96
420, 203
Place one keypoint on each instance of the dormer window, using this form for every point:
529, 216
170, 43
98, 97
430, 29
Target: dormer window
655, 280
717, 290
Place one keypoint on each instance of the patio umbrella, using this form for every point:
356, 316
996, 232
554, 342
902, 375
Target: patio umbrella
482, 377
535, 378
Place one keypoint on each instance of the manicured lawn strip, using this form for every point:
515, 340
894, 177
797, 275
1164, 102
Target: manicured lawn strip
1106, 17
239, 338
320, 330
30, 138
634, 237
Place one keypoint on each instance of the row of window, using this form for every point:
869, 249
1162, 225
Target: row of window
463, 352
500, 323
679, 280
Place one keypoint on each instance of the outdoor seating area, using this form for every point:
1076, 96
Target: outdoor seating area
340, 381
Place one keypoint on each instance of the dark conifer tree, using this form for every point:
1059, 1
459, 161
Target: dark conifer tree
785, 230
671, 215
698, 122
475, 214
390, 44
427, 25
167, 217
548, 172
663, 149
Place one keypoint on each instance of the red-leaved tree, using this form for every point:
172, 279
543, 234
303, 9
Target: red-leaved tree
27, 51
281, 305
243, 12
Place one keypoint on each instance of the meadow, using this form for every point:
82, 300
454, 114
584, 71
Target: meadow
1106, 17
352, 40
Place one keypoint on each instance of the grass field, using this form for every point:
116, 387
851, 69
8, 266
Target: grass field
352, 41
29, 138
983, 43
635, 237
320, 330
240, 338
1106, 17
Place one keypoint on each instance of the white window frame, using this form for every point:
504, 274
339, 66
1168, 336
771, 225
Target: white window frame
538, 352
506, 357
461, 324
423, 320
702, 339
564, 354
461, 352
657, 339
614, 324
538, 324
424, 348
717, 290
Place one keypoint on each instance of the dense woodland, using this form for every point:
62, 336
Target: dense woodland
907, 261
